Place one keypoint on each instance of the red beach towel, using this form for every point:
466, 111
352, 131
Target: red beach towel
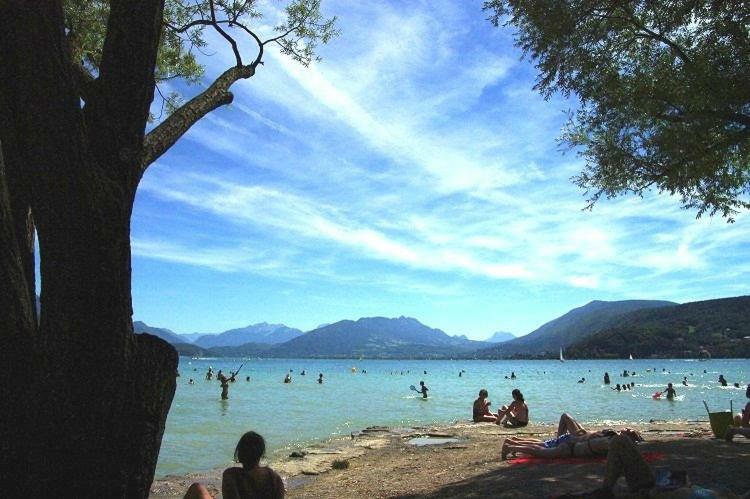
649, 457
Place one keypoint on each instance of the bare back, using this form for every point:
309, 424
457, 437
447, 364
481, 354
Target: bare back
258, 482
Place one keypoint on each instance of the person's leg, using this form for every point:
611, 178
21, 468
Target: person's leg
569, 425
733, 430
197, 491
624, 458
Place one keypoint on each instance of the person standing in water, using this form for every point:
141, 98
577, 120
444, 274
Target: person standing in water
320, 379
224, 385
722, 381
670, 391
209, 373
423, 389
606, 378
288, 378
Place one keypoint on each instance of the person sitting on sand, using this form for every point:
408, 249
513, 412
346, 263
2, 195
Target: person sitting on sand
516, 414
591, 446
624, 459
250, 481
741, 421
481, 411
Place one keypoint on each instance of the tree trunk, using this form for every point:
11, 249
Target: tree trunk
88, 398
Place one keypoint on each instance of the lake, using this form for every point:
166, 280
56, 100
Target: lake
202, 430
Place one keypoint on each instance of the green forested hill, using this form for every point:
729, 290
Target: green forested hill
718, 326
569, 328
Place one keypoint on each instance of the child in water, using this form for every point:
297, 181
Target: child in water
670, 391
423, 389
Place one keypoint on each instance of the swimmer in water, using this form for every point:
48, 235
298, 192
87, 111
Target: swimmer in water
722, 381
320, 379
606, 378
617, 387
288, 378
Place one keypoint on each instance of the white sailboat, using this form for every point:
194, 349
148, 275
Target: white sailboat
631, 356
562, 359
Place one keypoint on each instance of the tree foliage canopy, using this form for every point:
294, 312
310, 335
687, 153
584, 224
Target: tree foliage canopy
664, 89
297, 32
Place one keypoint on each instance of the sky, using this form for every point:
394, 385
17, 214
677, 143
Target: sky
412, 171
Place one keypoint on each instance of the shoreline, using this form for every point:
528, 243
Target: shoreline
381, 461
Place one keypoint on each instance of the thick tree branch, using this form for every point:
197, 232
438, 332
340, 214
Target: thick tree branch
84, 80
161, 138
125, 89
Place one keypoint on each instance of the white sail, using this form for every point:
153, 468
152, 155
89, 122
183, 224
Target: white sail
562, 359
631, 356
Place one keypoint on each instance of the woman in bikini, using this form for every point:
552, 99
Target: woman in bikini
481, 410
516, 414
593, 444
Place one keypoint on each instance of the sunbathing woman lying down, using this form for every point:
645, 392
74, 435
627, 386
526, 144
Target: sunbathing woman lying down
567, 444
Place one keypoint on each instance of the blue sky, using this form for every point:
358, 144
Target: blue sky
413, 171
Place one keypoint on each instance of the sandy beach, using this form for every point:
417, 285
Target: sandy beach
382, 462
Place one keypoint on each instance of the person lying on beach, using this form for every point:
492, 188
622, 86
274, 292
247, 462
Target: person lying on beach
562, 447
250, 481
481, 410
624, 459
516, 414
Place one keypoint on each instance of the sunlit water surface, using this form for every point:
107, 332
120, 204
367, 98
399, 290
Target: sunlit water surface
202, 430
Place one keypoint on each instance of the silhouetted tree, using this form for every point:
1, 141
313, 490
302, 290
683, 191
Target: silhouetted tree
84, 399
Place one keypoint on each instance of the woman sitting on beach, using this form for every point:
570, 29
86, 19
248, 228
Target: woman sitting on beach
567, 445
481, 410
250, 481
516, 414
741, 422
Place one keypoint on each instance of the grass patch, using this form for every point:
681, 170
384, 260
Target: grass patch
340, 464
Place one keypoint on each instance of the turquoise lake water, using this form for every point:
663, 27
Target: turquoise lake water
202, 430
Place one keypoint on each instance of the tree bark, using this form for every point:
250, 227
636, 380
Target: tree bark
89, 398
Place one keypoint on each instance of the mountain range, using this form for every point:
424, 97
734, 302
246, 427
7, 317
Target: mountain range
597, 329
255, 333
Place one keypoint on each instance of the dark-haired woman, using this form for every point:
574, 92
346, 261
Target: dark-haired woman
516, 414
481, 411
251, 480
